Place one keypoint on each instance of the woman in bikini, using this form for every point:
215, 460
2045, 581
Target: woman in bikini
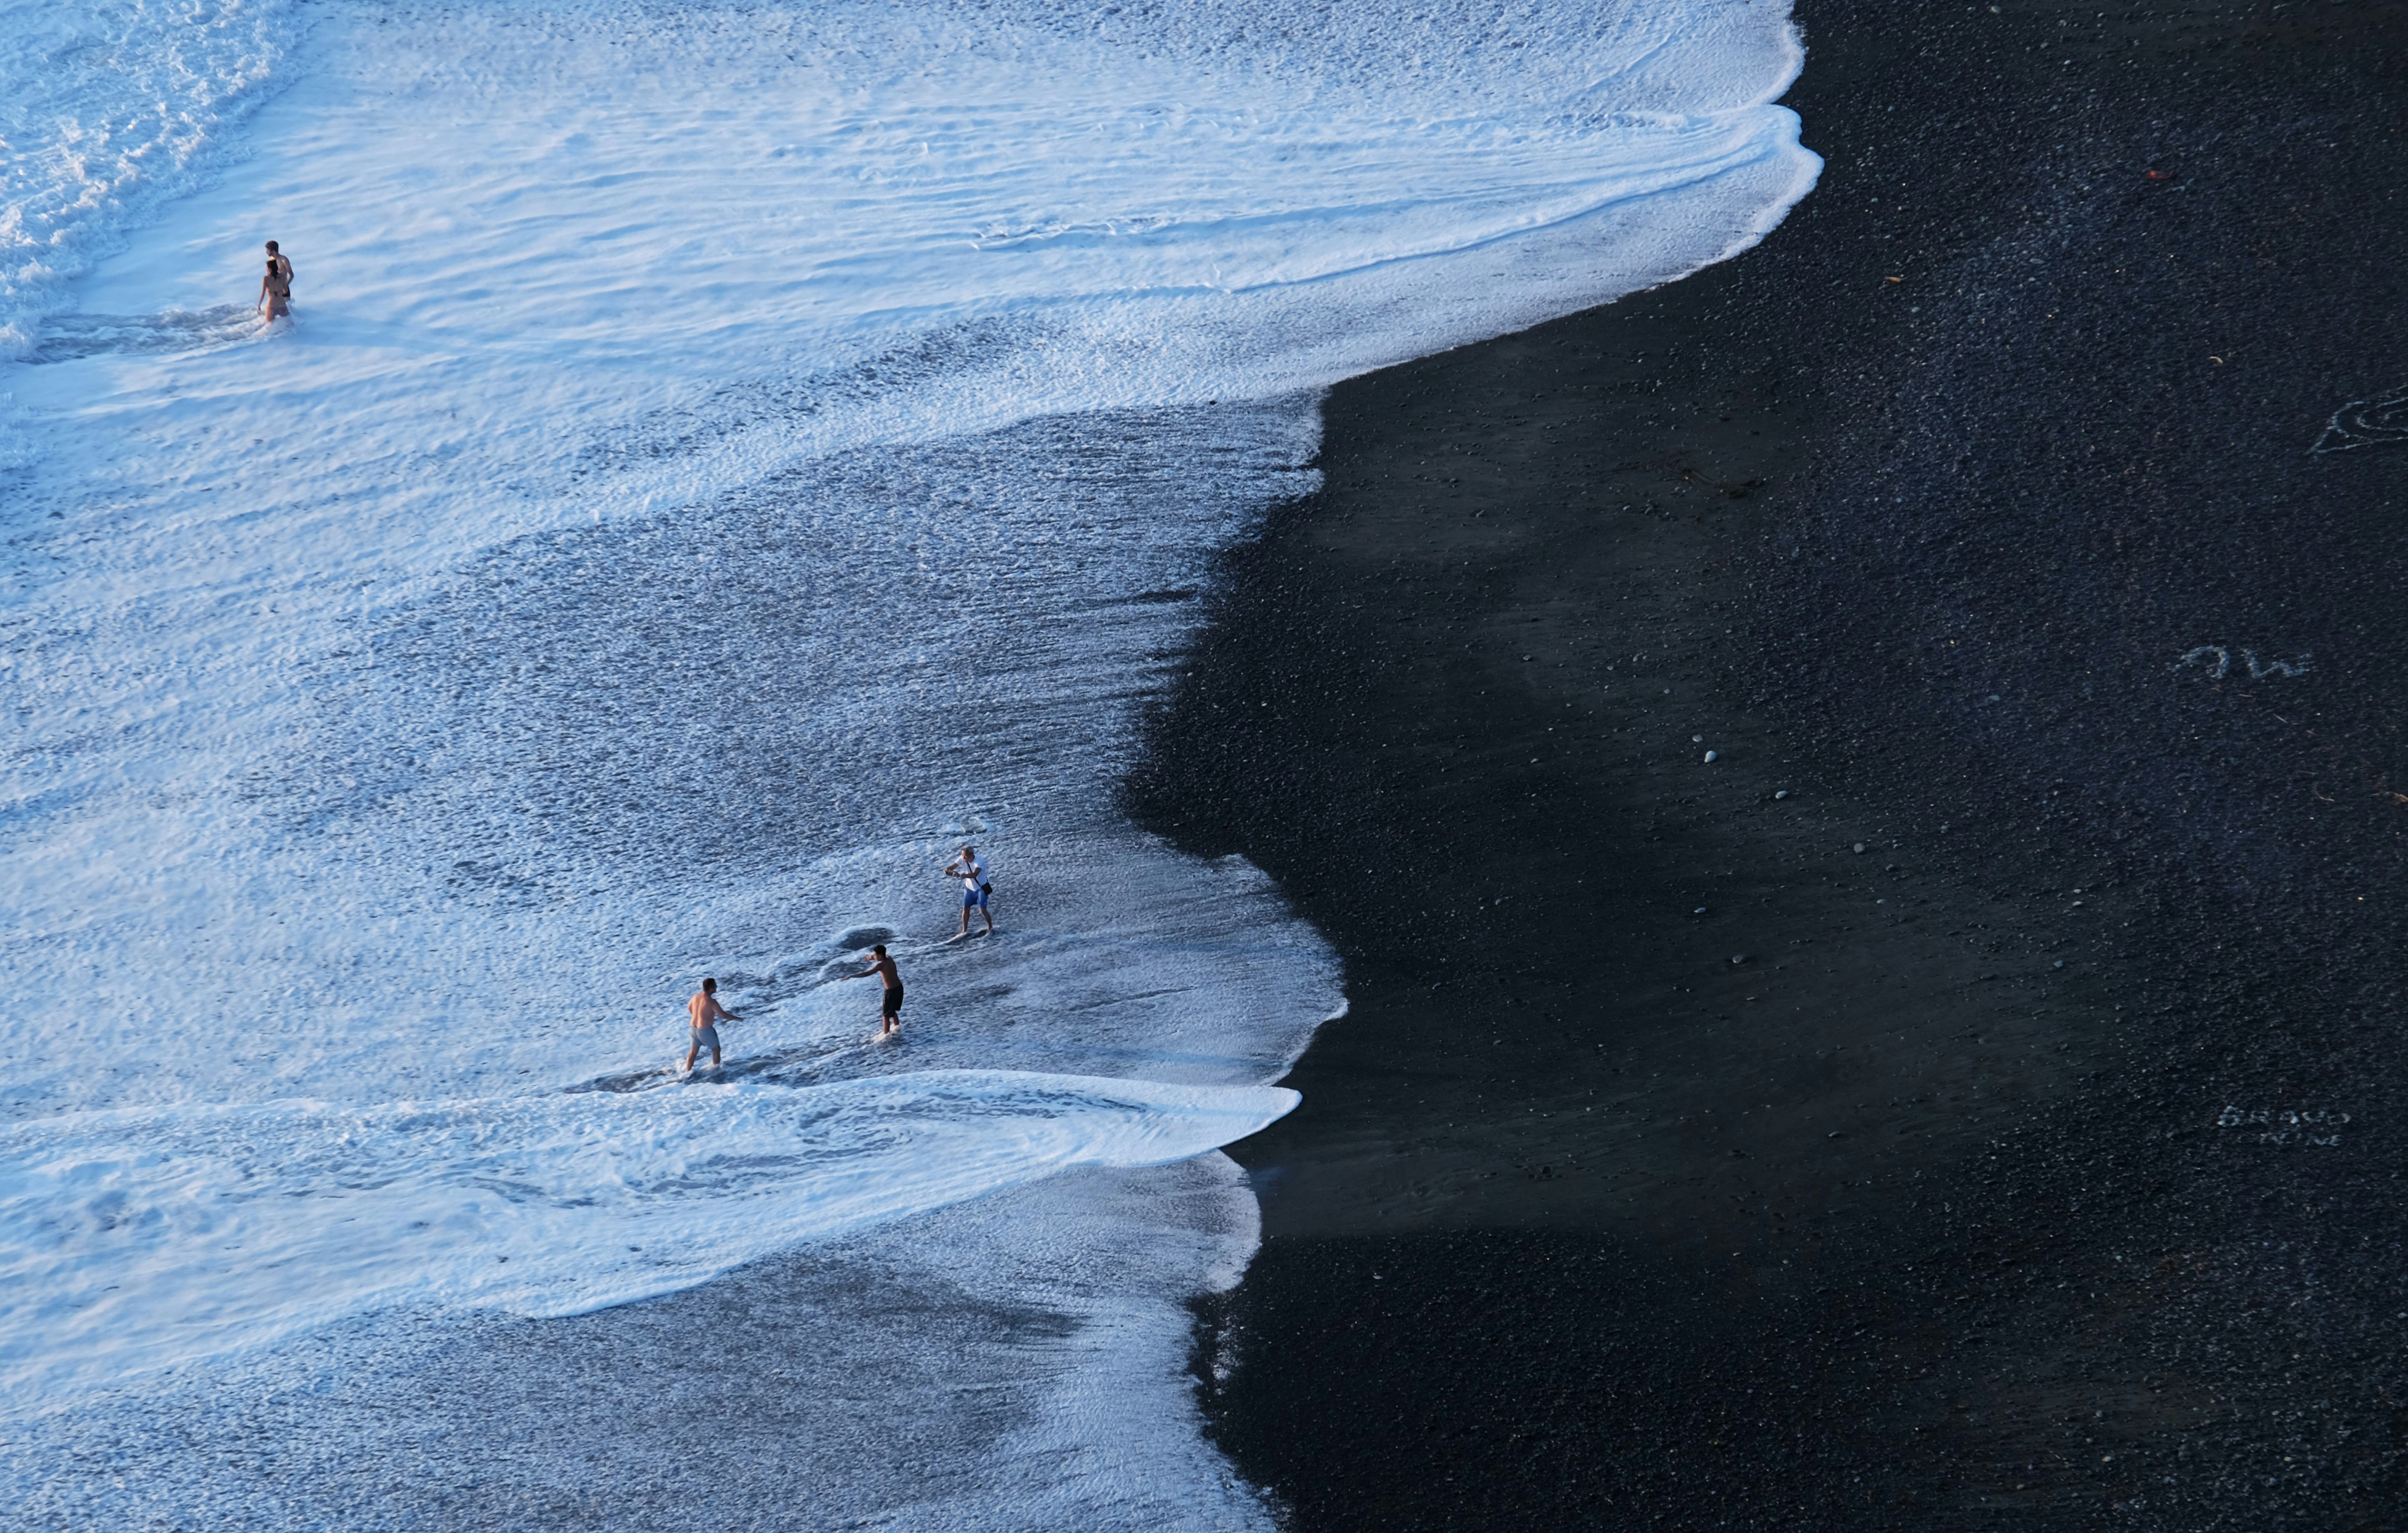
275, 293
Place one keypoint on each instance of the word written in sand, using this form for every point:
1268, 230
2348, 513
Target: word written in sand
2258, 669
2285, 1127
2363, 423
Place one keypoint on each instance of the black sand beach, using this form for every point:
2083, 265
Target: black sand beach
1969, 1100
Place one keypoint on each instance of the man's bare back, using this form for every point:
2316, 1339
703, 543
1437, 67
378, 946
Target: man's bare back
706, 1014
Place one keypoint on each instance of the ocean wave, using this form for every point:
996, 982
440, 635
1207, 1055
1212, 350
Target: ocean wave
138, 1239
110, 110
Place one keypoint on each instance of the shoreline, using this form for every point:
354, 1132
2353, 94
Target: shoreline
1678, 1159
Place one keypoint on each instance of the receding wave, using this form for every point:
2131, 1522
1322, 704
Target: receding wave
68, 337
137, 1238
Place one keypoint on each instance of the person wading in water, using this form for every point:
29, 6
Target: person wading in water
890, 1016
976, 891
275, 292
707, 1013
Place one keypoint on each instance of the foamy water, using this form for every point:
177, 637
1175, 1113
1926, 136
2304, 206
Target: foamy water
545, 1206
725, 456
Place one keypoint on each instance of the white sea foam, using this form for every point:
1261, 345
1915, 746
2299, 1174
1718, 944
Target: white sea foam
108, 109
1016, 1362
726, 455
250, 1220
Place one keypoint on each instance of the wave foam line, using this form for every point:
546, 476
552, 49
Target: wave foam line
108, 110
135, 1238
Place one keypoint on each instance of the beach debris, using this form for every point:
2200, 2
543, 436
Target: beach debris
1738, 957
1696, 739
1735, 490
2154, 174
1893, 278
1710, 755
1699, 910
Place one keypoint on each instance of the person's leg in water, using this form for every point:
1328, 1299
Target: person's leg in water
970, 902
985, 899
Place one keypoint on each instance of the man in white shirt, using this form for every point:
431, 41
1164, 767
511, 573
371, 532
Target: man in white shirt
976, 890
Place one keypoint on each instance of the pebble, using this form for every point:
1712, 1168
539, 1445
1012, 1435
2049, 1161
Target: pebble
1861, 846
1710, 755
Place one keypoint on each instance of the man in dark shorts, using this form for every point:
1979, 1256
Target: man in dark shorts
890, 1017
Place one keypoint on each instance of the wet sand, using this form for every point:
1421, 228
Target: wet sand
1967, 1100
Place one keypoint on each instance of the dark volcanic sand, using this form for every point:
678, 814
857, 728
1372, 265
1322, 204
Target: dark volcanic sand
1679, 1162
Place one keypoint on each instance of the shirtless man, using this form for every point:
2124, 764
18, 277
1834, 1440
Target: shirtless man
707, 1014
890, 1016
283, 262
976, 890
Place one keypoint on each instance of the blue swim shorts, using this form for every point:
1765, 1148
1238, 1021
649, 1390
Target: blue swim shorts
973, 899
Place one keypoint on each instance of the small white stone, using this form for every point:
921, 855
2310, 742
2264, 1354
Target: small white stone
1782, 793
1861, 846
1710, 755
